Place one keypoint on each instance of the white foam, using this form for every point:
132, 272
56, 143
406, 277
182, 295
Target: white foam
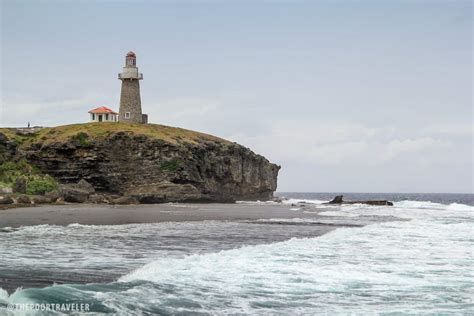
329, 272
338, 214
3, 295
460, 207
433, 206
258, 202
302, 201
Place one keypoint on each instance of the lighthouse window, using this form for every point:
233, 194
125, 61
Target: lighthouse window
127, 115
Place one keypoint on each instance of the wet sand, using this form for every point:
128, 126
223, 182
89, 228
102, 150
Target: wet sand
94, 214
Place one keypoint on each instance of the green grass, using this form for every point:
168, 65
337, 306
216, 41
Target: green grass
104, 129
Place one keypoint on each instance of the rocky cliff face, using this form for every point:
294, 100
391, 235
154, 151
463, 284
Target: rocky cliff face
153, 167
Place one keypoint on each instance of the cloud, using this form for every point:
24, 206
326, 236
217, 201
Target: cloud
17, 111
183, 108
338, 143
399, 147
455, 130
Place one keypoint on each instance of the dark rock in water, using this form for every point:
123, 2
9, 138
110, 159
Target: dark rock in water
23, 199
337, 200
19, 186
117, 158
6, 199
40, 199
371, 202
73, 194
86, 186
125, 200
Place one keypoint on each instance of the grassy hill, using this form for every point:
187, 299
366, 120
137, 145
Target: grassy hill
102, 130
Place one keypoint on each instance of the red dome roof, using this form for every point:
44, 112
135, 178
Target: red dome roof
131, 54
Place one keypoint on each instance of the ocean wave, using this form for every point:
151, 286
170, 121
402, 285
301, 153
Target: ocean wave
301, 201
344, 271
342, 265
433, 205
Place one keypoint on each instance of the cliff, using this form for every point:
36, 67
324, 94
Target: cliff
153, 163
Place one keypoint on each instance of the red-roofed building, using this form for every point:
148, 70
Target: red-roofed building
103, 114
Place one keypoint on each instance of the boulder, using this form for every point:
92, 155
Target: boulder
40, 199
125, 200
73, 194
86, 186
4, 190
97, 198
23, 199
53, 195
6, 199
19, 186
337, 200
109, 198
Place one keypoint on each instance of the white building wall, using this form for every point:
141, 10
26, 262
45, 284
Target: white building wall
94, 117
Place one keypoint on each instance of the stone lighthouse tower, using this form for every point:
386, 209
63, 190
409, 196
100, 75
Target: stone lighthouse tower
130, 103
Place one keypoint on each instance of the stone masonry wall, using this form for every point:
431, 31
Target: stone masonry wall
130, 102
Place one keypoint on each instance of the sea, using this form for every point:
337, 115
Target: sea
413, 258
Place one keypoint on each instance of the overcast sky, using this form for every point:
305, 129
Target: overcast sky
359, 96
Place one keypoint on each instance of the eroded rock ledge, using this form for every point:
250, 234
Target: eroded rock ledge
152, 163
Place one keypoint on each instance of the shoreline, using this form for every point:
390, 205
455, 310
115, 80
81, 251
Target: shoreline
105, 214
269, 215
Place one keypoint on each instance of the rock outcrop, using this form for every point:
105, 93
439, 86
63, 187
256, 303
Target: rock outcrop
338, 200
6, 200
154, 164
23, 199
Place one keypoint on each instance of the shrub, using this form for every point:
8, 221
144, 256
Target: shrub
10, 170
170, 165
81, 139
41, 185
36, 183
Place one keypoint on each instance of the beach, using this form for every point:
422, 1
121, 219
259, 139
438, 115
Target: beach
103, 214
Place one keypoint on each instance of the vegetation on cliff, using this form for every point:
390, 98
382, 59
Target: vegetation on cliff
87, 132
35, 181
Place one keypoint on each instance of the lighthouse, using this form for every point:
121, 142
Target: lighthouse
130, 102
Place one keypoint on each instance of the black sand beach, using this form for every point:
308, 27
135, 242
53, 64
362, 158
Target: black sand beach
90, 214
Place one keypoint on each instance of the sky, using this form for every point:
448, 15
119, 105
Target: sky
347, 96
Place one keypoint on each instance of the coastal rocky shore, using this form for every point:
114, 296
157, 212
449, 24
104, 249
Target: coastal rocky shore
126, 163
